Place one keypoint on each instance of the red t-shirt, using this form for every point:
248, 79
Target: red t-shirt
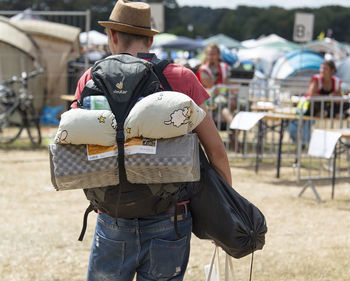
180, 78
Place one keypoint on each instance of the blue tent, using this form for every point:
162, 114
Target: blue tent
297, 63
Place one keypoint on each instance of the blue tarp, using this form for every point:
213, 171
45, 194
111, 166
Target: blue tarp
50, 115
227, 56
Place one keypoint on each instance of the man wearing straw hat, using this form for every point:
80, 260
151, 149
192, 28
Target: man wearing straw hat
148, 247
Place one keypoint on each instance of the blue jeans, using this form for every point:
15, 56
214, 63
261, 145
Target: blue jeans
305, 131
147, 246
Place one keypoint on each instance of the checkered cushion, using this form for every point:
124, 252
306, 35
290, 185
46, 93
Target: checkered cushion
176, 160
72, 170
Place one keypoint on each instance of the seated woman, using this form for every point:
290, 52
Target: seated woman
322, 84
325, 84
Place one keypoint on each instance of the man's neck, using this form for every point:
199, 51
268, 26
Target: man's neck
134, 50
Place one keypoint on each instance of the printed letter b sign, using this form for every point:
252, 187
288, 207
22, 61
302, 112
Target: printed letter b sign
303, 27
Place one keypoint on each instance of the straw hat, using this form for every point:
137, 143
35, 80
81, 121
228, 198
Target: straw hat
130, 17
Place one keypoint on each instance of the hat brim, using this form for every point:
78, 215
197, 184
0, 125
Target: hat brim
128, 28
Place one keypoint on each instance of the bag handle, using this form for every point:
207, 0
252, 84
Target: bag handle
228, 266
212, 263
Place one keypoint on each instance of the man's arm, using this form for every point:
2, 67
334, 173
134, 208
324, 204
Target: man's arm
213, 146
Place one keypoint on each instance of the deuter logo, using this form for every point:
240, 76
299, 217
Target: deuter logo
119, 88
120, 85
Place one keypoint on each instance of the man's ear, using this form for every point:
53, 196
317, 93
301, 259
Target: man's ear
150, 42
114, 36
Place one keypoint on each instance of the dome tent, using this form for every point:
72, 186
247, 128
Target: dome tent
296, 64
343, 72
266, 50
19, 53
59, 43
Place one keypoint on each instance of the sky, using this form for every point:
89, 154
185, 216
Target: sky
263, 3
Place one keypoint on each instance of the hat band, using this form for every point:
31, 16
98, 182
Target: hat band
145, 27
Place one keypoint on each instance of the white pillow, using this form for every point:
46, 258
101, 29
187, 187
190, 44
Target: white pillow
81, 126
163, 115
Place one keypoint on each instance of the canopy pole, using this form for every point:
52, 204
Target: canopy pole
87, 29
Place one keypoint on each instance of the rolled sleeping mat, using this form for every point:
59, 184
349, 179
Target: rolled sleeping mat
174, 160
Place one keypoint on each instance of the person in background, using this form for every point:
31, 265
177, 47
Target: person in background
325, 84
213, 72
322, 84
149, 247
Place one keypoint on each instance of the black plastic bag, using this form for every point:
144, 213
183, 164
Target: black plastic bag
221, 214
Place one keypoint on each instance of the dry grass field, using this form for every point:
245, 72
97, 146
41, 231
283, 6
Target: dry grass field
39, 227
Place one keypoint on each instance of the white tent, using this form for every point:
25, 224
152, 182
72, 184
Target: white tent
94, 38
253, 43
263, 57
330, 46
265, 51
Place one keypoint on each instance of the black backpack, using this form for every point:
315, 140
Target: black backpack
123, 79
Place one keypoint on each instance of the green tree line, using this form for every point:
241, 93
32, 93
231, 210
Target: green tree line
241, 23
246, 22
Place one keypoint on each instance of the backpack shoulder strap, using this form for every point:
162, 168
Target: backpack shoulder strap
158, 67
